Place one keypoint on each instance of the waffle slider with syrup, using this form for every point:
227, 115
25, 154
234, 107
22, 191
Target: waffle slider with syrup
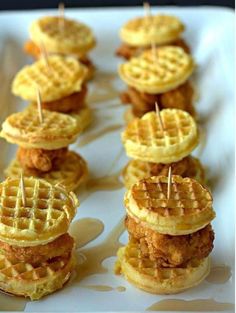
170, 237
141, 33
43, 147
158, 75
36, 251
154, 147
62, 36
61, 83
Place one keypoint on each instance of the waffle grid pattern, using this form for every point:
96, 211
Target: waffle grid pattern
163, 67
147, 131
187, 196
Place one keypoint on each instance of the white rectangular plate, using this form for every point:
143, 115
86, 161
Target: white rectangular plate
210, 33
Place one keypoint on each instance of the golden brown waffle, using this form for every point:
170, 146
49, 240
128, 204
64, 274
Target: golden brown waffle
34, 281
84, 117
136, 170
61, 77
72, 172
46, 215
158, 29
157, 72
58, 130
144, 139
188, 209
72, 38
144, 274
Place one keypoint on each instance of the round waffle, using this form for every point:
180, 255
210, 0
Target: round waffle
136, 170
34, 281
72, 37
144, 139
144, 274
84, 117
46, 215
72, 172
57, 78
158, 29
188, 209
157, 72
57, 130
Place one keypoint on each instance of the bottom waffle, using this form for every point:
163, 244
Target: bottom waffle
143, 273
136, 170
34, 281
71, 173
84, 117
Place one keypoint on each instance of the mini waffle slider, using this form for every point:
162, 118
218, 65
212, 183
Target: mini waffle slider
36, 252
61, 83
162, 229
43, 147
61, 36
155, 146
158, 75
140, 33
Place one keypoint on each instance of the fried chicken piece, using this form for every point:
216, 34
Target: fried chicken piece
68, 104
32, 49
127, 52
187, 167
41, 160
179, 98
171, 251
61, 246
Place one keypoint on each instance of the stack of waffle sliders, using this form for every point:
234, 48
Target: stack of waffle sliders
61, 36
158, 75
159, 140
43, 142
140, 33
170, 236
36, 252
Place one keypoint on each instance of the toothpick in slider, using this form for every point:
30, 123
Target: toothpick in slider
169, 183
44, 54
159, 117
22, 187
61, 9
147, 9
39, 105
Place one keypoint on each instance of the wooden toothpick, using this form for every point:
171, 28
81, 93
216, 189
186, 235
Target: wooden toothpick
169, 183
39, 105
147, 9
61, 9
22, 187
159, 116
44, 54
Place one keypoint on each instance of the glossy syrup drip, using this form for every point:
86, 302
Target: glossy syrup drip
198, 305
91, 259
103, 288
219, 274
85, 230
94, 136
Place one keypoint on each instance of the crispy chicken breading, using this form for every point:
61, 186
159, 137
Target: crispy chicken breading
179, 98
171, 251
61, 246
39, 159
71, 103
126, 51
187, 167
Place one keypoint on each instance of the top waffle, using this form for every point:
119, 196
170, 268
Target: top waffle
188, 209
144, 139
57, 130
55, 77
47, 214
158, 29
63, 36
157, 71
